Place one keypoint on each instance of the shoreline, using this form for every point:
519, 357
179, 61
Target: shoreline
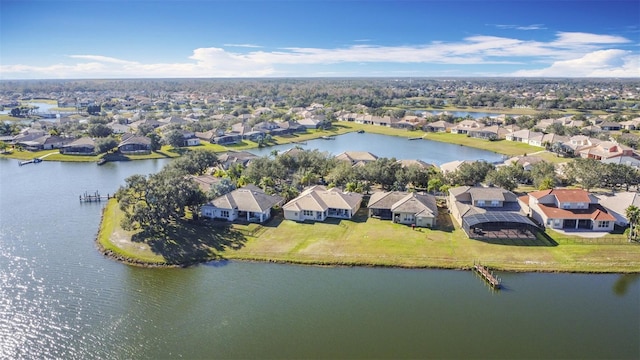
149, 265
110, 235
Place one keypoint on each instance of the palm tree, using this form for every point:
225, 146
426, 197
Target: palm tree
633, 215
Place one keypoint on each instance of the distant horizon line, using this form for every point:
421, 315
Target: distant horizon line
333, 77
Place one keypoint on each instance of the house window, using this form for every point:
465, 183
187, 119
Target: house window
480, 202
566, 205
224, 213
556, 222
307, 213
582, 205
495, 202
603, 224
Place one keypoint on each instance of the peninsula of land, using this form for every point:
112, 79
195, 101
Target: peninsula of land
361, 241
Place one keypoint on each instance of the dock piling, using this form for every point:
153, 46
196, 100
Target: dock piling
487, 275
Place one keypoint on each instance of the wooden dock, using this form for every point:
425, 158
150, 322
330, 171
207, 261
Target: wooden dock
32, 161
95, 197
487, 275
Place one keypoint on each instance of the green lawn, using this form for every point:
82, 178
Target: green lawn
372, 242
54, 155
43, 101
113, 239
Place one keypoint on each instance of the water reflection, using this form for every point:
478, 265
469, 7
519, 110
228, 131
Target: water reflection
624, 282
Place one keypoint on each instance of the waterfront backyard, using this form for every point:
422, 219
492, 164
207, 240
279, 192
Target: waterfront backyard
365, 241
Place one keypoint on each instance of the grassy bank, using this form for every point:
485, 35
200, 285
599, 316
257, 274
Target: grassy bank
366, 242
509, 148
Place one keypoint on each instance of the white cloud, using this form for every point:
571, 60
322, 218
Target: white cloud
100, 58
243, 45
566, 39
521, 27
601, 63
570, 54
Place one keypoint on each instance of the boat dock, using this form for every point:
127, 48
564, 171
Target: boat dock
32, 161
95, 197
487, 275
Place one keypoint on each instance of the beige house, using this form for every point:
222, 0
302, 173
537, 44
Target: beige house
318, 203
356, 157
248, 203
404, 208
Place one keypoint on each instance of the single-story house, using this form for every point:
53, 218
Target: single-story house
229, 138
465, 126
438, 126
290, 127
404, 124
205, 182
231, 158
317, 203
248, 204
404, 208
356, 157
134, 144
492, 132
568, 209
632, 124
253, 135
46, 142
523, 135
81, 146
311, 123
419, 163
483, 211
610, 126
616, 204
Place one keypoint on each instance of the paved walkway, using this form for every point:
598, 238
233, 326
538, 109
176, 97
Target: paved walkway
582, 233
51, 153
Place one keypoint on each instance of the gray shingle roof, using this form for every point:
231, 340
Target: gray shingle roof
247, 199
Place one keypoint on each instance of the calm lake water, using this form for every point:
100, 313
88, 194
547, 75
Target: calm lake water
59, 298
432, 152
473, 114
42, 107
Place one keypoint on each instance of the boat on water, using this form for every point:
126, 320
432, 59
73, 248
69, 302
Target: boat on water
328, 138
360, 131
101, 161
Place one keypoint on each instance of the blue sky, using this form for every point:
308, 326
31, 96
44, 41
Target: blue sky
50, 39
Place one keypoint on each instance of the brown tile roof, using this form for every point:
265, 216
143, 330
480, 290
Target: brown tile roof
564, 195
594, 212
524, 199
